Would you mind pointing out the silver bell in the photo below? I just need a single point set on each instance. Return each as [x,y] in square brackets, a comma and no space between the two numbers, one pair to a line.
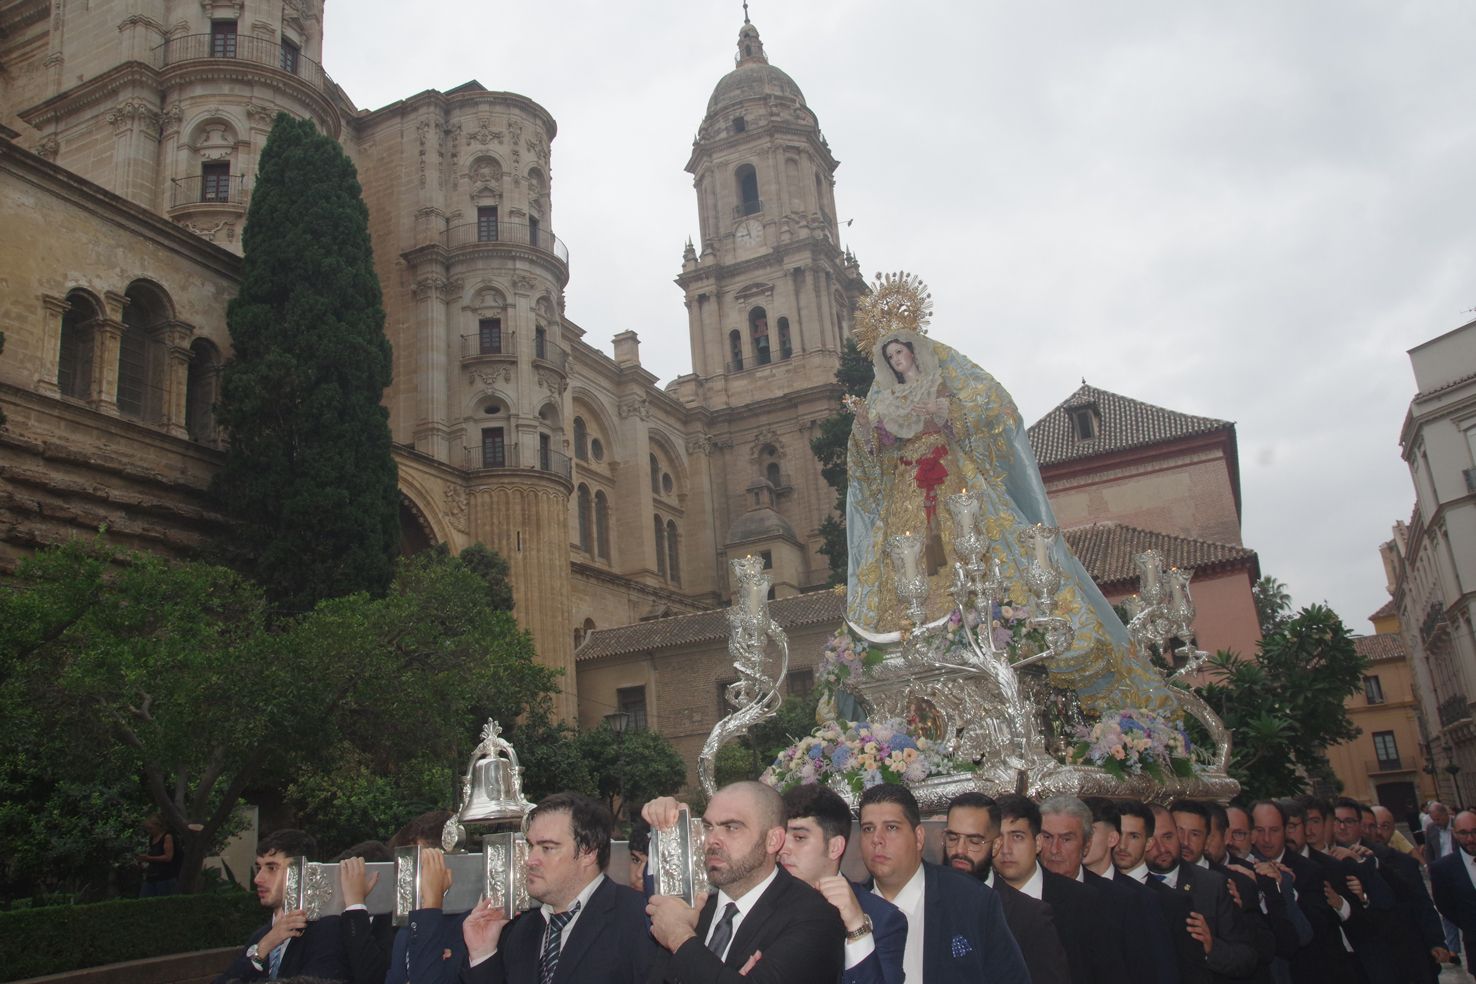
[493,787]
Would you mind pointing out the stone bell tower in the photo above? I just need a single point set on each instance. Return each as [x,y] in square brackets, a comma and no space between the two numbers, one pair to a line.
[770,295]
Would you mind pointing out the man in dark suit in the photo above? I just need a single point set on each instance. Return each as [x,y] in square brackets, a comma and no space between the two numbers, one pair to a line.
[1414,925]
[1453,878]
[817,827]
[761,922]
[956,930]
[1150,956]
[588,929]
[1279,838]
[1214,922]
[1090,933]
[968,846]
[288,945]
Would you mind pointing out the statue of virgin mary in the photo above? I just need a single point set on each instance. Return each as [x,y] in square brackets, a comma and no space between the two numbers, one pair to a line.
[933,424]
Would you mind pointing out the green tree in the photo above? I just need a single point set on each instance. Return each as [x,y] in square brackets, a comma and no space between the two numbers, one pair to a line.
[1286,707]
[854,375]
[308,478]
[493,568]
[631,768]
[172,672]
[1273,604]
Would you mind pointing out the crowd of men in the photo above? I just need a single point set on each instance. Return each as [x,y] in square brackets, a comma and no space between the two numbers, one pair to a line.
[1090,891]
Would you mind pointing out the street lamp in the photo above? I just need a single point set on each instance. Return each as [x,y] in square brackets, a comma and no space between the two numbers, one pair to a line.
[619,723]
[1454,770]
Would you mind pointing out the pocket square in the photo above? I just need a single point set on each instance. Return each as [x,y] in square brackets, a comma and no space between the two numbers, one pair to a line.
[961,947]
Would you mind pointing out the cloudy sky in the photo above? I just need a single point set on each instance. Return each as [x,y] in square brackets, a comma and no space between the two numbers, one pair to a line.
[1248,211]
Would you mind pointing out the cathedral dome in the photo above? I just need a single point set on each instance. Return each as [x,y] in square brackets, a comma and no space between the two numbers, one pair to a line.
[754,77]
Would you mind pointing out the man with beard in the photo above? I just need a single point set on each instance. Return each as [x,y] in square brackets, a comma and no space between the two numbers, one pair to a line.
[956,929]
[1135,830]
[817,828]
[1439,844]
[968,846]
[1086,934]
[288,945]
[761,921]
[1237,831]
[587,929]
[1213,922]
[1418,938]
[1453,878]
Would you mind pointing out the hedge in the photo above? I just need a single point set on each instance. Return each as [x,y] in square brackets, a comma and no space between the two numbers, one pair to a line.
[55,939]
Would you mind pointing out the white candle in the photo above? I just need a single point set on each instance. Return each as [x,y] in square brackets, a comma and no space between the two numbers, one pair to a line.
[1043,550]
[755,596]
[906,550]
[965,510]
[1176,589]
[1150,576]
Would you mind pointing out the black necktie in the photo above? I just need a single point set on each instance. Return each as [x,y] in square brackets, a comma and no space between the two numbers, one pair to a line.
[550,962]
[723,935]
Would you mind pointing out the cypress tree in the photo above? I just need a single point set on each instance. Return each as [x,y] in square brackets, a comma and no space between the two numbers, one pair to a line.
[309,481]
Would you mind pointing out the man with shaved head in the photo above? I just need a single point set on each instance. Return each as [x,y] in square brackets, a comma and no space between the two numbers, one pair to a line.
[1413,925]
[760,914]
[1453,877]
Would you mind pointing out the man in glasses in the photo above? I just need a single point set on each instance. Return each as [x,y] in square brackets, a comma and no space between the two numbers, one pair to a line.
[968,846]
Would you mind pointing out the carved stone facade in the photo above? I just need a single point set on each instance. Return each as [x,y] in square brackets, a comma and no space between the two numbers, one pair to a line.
[132,139]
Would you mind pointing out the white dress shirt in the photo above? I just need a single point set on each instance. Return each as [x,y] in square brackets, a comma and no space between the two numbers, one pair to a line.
[1140,873]
[1170,878]
[910,900]
[582,900]
[1036,885]
[745,904]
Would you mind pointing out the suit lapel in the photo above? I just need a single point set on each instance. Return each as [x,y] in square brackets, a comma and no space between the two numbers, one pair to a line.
[589,924]
[753,920]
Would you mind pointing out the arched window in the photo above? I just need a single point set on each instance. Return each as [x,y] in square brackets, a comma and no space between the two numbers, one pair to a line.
[581,439]
[735,349]
[672,563]
[660,547]
[140,355]
[786,347]
[74,367]
[758,330]
[748,190]
[602,526]
[771,472]
[655,476]
[585,540]
[200,391]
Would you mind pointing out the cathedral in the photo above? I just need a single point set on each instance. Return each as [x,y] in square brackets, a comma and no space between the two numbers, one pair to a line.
[129,135]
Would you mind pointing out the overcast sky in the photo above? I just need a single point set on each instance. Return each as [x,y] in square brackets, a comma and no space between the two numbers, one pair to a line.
[1244,210]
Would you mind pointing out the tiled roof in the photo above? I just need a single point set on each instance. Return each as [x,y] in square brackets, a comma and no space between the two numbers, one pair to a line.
[682,630]
[1107,550]
[1122,423]
[1387,610]
[1385,645]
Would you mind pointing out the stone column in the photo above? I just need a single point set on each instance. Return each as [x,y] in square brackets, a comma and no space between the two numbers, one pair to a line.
[136,124]
[55,308]
[431,294]
[107,338]
[175,337]
[526,519]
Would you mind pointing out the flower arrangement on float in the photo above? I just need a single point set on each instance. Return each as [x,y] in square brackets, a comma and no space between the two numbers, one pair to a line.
[860,754]
[842,662]
[1135,742]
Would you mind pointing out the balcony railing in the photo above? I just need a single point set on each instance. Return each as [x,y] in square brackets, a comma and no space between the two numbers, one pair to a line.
[210,189]
[518,233]
[1453,709]
[751,207]
[551,352]
[243,48]
[508,456]
[1370,766]
[472,348]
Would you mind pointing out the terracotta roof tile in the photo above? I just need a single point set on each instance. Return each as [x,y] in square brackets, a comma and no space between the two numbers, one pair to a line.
[682,630]
[1123,423]
[1107,550]
[1385,645]
[1386,610]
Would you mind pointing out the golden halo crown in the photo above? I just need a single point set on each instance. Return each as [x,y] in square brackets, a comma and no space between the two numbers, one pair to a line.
[897,302]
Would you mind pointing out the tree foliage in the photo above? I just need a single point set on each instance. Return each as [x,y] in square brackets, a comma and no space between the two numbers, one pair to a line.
[631,768]
[494,569]
[308,478]
[171,673]
[1286,707]
[1273,604]
[854,375]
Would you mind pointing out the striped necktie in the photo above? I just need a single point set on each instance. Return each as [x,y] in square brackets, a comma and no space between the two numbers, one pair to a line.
[552,944]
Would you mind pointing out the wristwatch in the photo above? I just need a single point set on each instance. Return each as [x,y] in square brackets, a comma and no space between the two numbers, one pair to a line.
[864,928]
[254,955]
